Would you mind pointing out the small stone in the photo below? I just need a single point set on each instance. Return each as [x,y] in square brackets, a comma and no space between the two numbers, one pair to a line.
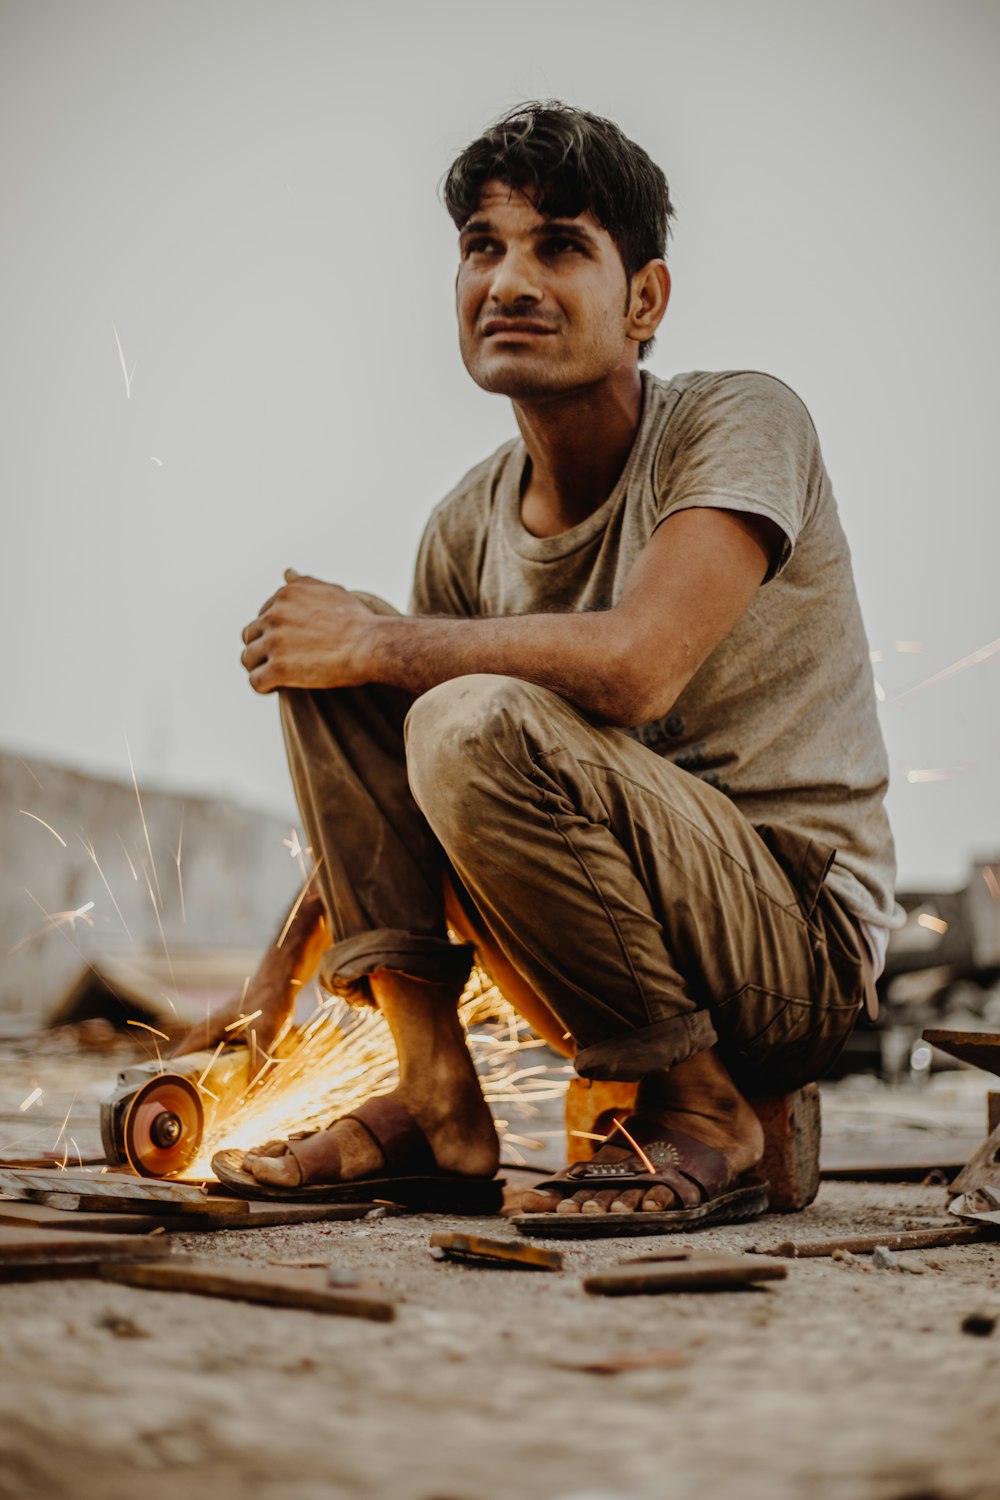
[884,1260]
[980,1325]
[340,1276]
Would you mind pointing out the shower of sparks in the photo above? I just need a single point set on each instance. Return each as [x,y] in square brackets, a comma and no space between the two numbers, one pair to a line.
[58,920]
[37,819]
[297,850]
[933,924]
[992,884]
[242,1021]
[31,773]
[159,923]
[342,1056]
[55,1144]
[142,817]
[879,690]
[587,1135]
[32,1098]
[298,902]
[79,1153]
[177,861]
[143,1027]
[941,773]
[636,1147]
[128,857]
[158,461]
[972,660]
[913,648]
[208,1066]
[92,854]
[125,370]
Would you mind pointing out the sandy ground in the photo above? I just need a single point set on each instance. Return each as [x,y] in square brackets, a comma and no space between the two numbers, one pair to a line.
[841,1383]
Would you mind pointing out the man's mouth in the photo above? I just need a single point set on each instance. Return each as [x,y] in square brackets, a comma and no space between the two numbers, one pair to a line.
[514,327]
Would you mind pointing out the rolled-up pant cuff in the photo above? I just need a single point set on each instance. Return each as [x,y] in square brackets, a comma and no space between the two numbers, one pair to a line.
[346,966]
[628,1057]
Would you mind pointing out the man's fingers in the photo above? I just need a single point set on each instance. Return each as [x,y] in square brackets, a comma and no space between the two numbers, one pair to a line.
[252,631]
[254,655]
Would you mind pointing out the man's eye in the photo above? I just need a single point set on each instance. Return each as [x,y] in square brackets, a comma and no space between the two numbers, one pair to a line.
[480,247]
[559,246]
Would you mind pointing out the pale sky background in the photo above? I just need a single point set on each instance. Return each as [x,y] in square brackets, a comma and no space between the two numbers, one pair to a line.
[247,192]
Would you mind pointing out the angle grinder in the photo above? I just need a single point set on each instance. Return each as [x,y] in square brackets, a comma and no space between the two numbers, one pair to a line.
[155,1119]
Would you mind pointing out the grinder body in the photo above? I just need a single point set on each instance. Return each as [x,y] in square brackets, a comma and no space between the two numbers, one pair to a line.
[154,1120]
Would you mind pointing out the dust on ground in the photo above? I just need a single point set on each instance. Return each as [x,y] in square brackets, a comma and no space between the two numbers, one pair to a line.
[843,1382]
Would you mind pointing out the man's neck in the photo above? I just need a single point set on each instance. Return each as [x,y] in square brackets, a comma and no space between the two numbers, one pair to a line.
[577,446]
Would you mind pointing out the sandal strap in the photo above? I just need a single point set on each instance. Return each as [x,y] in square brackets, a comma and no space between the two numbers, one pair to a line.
[397,1135]
[405,1149]
[692,1170]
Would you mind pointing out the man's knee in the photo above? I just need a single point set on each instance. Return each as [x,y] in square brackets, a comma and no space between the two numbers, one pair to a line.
[464,739]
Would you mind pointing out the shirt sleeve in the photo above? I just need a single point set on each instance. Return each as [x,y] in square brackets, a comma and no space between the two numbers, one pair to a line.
[742,442]
[438,585]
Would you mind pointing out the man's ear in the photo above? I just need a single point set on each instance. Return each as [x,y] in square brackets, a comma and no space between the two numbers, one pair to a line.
[648,297]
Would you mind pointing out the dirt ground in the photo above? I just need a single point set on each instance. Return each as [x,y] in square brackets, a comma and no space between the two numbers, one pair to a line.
[841,1383]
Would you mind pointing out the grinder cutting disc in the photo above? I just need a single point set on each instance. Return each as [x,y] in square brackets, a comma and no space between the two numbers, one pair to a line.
[163,1126]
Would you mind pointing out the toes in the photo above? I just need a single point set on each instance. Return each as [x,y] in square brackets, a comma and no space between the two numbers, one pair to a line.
[535,1202]
[279,1171]
[599,1203]
[626,1202]
[657,1199]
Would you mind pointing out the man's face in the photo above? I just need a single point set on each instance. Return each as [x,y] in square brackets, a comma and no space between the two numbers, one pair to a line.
[541,302]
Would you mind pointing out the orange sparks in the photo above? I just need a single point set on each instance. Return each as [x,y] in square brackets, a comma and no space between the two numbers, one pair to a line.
[24,812]
[243,1021]
[933,924]
[142,816]
[208,1065]
[637,1148]
[298,902]
[144,1027]
[972,660]
[177,861]
[125,369]
[32,1098]
[92,854]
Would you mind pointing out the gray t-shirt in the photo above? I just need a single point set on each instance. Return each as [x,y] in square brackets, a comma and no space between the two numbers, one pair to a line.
[781,716]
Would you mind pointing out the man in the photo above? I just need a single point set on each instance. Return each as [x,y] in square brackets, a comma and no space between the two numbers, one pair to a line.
[625,743]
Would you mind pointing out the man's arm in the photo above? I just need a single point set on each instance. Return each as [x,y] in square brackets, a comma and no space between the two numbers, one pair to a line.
[625,665]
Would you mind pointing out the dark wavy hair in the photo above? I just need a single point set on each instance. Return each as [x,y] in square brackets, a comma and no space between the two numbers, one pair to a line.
[569,162]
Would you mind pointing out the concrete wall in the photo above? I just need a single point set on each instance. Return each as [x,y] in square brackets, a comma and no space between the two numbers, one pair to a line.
[238,878]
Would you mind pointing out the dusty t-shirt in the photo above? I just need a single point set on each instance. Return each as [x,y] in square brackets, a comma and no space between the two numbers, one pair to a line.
[781,716]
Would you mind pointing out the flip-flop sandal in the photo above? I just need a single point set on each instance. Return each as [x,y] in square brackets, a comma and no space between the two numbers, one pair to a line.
[410,1176]
[700,1176]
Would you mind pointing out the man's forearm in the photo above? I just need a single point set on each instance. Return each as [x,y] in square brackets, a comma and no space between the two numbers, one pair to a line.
[587,658]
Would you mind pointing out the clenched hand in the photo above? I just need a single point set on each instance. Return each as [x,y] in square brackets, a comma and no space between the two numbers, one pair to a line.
[310,634]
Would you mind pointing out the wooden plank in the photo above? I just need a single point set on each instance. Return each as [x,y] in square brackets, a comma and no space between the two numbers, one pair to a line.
[69,1211]
[478,1249]
[896,1156]
[273,1286]
[981,1049]
[20,1184]
[219,1210]
[864,1244]
[28,1215]
[693,1273]
[51,1252]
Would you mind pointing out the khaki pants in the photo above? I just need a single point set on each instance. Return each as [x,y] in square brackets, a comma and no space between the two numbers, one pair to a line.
[635,902]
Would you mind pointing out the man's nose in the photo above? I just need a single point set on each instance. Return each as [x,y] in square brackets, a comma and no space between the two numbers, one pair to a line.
[514,280]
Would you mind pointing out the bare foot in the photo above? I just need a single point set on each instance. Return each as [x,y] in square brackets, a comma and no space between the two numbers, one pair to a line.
[460,1131]
[437,1085]
[697,1097]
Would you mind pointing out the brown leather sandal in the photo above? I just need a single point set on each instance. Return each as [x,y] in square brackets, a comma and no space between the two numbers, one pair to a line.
[700,1176]
[410,1176]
